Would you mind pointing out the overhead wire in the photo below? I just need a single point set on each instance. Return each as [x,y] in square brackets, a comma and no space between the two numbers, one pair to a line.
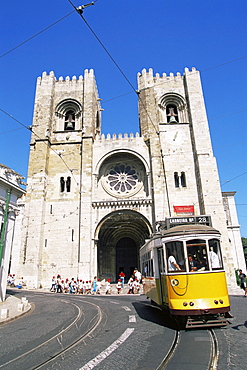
[31,129]
[120,70]
[114,61]
[137,92]
[133,88]
[36,34]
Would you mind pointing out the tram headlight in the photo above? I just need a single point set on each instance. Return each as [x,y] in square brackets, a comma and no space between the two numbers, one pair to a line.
[185,304]
[221,301]
[174,282]
[215,301]
[191,303]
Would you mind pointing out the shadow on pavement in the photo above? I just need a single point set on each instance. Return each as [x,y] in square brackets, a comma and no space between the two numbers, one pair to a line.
[154,314]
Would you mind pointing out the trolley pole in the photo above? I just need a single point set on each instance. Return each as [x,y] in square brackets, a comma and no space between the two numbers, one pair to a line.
[4,223]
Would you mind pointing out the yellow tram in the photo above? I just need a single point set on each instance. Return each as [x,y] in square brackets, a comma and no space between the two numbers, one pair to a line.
[183,272]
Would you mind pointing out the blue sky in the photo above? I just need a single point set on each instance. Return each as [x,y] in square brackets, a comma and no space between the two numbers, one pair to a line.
[161,34]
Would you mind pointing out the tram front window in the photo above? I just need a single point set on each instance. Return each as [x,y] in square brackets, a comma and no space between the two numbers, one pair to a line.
[214,254]
[175,256]
[197,255]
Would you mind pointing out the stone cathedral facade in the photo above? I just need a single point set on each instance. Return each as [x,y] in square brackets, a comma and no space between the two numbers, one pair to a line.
[92,199]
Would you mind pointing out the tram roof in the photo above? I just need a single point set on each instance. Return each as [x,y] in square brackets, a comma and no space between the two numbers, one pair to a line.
[189,229]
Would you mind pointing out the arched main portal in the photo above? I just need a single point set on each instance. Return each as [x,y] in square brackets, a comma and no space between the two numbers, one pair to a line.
[120,236]
[126,256]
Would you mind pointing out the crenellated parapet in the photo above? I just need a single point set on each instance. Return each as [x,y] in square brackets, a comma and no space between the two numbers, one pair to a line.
[147,79]
[88,74]
[118,136]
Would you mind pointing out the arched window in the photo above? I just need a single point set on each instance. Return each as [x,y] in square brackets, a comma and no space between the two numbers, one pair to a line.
[62,184]
[65,184]
[69,112]
[68,183]
[173,108]
[180,180]
[183,180]
[176,180]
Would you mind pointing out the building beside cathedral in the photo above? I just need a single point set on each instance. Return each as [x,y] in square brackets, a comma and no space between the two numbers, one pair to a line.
[10,192]
[92,200]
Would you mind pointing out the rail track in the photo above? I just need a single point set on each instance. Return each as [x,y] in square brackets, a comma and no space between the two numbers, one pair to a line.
[214,353]
[75,324]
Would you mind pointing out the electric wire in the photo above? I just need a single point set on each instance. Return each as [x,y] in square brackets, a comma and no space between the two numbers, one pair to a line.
[103,46]
[31,129]
[6,132]
[121,71]
[133,88]
[36,34]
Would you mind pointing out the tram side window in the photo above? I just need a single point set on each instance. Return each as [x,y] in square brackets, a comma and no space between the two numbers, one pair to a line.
[147,268]
[147,265]
[175,256]
[197,255]
[161,260]
[215,254]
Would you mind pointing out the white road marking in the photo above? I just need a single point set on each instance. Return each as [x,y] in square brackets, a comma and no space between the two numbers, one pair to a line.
[114,302]
[126,308]
[95,361]
[132,318]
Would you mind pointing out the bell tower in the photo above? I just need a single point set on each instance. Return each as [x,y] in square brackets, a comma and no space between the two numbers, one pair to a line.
[67,118]
[173,123]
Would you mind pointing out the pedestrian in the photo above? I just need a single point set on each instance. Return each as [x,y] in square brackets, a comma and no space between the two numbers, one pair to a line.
[12,281]
[130,285]
[80,287]
[94,285]
[136,286]
[243,285]
[98,286]
[66,286]
[108,287]
[119,286]
[72,286]
[9,279]
[137,275]
[121,277]
[88,286]
[53,284]
[58,284]
[62,286]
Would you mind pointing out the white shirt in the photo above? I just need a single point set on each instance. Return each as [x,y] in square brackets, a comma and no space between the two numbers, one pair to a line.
[214,258]
[171,261]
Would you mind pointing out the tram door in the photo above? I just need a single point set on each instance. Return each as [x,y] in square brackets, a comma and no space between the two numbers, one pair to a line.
[161,263]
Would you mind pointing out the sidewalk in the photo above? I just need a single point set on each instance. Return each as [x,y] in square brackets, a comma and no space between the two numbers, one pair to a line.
[235,290]
[12,308]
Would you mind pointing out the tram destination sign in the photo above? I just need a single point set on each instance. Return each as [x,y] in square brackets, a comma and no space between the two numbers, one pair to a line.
[184,220]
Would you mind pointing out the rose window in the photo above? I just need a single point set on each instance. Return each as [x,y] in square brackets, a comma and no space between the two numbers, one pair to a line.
[122,179]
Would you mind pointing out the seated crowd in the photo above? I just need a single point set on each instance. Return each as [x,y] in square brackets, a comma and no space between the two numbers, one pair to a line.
[79,286]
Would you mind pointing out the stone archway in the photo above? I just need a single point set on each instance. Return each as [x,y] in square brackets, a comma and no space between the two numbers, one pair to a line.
[120,236]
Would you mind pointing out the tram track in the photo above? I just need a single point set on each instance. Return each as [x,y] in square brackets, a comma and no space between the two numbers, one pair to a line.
[171,351]
[94,324]
[214,352]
